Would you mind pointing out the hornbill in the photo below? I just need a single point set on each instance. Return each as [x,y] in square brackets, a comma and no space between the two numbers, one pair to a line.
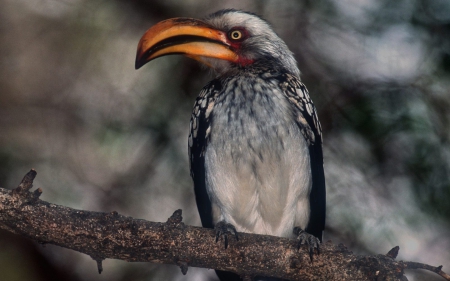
[255,142]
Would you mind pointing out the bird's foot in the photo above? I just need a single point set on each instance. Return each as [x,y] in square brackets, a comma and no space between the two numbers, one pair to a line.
[305,238]
[223,228]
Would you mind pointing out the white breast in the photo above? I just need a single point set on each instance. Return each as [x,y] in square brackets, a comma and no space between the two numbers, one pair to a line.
[257,165]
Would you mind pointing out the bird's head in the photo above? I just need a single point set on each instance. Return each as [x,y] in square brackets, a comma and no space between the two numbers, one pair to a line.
[227,41]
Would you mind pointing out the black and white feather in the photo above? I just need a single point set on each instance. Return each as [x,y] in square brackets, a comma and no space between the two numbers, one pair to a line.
[255,150]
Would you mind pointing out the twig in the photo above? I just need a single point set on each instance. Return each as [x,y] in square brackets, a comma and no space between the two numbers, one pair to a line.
[435,269]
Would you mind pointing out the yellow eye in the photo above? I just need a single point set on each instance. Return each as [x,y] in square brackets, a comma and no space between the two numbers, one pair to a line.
[235,35]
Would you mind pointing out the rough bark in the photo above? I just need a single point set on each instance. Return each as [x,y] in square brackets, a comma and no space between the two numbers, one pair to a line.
[113,236]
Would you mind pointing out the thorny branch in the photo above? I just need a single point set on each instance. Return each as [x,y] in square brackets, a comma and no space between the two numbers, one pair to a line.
[113,236]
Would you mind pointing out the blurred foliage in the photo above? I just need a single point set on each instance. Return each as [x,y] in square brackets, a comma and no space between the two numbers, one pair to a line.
[105,137]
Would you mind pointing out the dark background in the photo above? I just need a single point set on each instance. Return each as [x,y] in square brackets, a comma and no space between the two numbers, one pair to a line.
[103,136]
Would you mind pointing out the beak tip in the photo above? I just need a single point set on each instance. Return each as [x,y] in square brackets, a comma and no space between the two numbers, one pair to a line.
[139,62]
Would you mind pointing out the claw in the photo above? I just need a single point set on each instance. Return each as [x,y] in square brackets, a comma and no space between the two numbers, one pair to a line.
[305,238]
[223,229]
[217,235]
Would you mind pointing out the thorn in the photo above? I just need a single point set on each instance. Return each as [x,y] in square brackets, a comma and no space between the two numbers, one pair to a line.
[99,266]
[175,219]
[99,263]
[37,193]
[26,183]
[393,252]
[183,266]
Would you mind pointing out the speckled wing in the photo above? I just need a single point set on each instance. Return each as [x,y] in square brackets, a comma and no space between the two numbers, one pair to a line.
[306,117]
[198,140]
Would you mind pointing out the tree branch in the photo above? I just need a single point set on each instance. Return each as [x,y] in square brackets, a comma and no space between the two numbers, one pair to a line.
[113,236]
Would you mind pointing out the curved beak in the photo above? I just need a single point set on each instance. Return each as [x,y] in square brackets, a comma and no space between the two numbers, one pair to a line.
[191,37]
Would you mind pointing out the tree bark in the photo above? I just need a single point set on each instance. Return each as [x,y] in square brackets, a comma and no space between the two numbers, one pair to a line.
[113,236]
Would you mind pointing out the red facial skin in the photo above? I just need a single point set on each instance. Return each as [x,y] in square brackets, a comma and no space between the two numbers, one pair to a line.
[236,44]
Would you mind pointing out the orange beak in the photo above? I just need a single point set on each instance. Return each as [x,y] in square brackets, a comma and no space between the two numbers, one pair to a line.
[191,37]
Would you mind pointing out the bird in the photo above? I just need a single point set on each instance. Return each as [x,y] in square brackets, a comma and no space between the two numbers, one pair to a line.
[255,140]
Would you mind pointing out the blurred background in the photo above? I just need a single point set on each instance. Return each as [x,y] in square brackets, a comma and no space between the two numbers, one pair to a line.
[103,136]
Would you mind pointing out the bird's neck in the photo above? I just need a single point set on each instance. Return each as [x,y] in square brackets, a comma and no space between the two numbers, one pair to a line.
[256,67]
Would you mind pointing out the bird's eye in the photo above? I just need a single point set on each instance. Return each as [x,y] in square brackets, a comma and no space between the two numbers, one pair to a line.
[235,35]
